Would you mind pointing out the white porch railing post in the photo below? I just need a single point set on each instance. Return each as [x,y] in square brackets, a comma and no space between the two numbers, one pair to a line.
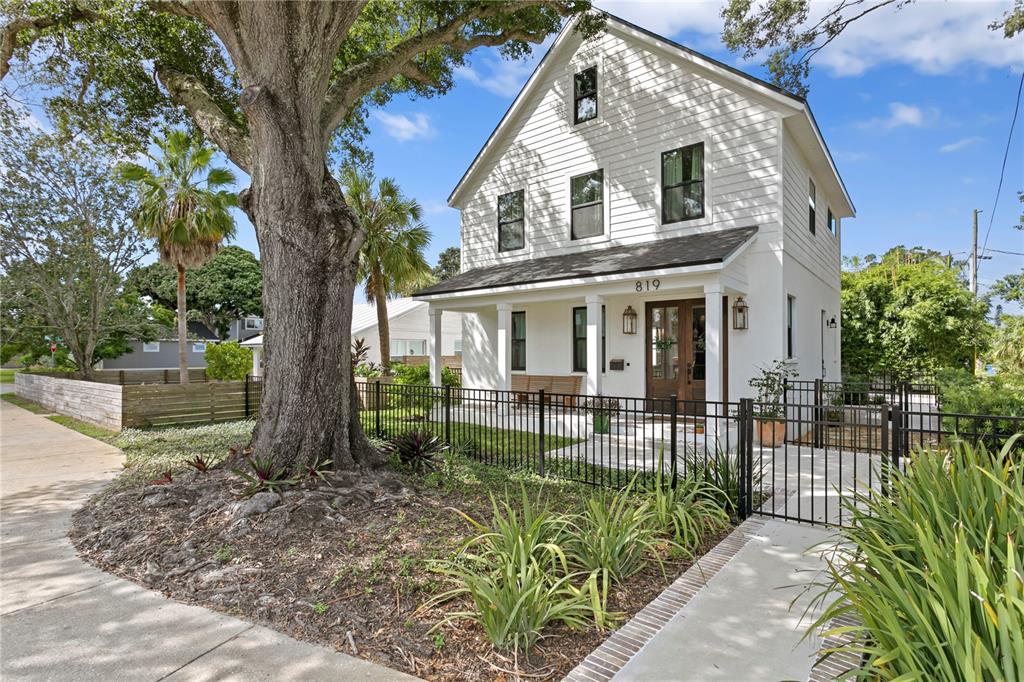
[594,333]
[504,347]
[434,346]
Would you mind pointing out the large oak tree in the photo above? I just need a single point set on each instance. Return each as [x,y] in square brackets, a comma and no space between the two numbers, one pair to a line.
[276,86]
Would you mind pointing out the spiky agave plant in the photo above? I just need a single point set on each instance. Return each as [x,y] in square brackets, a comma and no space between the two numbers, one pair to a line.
[416,450]
[264,475]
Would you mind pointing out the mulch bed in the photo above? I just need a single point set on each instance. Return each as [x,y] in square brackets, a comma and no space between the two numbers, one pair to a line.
[340,562]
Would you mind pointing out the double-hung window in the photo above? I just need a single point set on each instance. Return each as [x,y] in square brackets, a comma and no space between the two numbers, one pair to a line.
[831,221]
[519,341]
[585,95]
[510,221]
[579,339]
[682,184]
[587,204]
[810,203]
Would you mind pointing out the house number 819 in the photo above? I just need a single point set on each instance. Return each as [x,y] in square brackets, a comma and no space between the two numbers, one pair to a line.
[648,284]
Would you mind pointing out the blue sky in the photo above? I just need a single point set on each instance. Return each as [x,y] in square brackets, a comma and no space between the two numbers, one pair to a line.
[915,106]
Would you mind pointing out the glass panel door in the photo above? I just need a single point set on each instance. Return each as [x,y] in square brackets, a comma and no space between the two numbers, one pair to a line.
[664,348]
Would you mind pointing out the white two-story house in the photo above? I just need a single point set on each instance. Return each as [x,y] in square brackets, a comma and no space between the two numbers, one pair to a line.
[650,219]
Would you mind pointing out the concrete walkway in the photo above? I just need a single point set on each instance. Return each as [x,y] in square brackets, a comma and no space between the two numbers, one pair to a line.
[740,626]
[62,619]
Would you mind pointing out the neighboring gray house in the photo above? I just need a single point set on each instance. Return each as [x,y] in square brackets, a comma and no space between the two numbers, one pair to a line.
[163,354]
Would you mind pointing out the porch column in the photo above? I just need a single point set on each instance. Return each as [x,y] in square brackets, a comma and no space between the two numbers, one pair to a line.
[713,355]
[594,332]
[257,361]
[504,347]
[434,345]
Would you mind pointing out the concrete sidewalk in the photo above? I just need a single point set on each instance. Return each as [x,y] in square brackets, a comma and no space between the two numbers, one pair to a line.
[62,619]
[741,626]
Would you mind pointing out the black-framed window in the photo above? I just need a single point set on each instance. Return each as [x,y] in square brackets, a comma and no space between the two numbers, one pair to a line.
[790,312]
[519,341]
[682,183]
[831,221]
[579,338]
[585,95]
[587,204]
[511,212]
[810,204]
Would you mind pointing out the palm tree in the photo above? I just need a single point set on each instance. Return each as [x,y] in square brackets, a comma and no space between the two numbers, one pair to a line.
[391,262]
[183,206]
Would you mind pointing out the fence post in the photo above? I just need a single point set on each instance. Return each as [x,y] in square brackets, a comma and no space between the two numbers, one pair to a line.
[745,458]
[899,436]
[120,377]
[448,414]
[818,413]
[673,445]
[166,379]
[376,411]
[540,433]
[246,395]
[886,419]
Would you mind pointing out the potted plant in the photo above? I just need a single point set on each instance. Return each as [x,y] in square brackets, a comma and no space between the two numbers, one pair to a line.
[769,410]
[602,409]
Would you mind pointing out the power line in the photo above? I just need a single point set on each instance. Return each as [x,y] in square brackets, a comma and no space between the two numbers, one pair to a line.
[1008,253]
[1002,172]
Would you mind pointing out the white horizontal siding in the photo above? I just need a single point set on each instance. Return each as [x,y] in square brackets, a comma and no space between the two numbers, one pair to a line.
[648,104]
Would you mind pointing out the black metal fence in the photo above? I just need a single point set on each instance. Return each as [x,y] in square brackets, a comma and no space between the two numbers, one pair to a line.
[797,465]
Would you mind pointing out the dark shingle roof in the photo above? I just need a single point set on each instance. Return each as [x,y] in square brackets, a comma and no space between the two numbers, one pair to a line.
[694,249]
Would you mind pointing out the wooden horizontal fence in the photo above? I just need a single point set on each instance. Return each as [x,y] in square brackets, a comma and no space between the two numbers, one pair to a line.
[163,405]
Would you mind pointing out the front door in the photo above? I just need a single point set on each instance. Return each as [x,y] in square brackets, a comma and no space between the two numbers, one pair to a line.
[675,349]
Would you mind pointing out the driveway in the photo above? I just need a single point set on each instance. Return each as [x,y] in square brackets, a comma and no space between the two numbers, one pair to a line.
[62,619]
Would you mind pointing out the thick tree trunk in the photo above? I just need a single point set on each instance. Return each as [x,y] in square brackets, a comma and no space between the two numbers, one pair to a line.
[380,302]
[182,329]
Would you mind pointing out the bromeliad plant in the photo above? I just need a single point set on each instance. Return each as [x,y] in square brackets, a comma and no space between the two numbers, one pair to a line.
[416,450]
[934,572]
[264,475]
[199,463]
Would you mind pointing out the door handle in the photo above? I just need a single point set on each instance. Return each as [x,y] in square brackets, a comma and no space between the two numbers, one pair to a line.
[689,372]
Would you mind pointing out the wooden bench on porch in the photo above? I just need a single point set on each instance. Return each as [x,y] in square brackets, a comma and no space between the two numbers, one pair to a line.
[566,386]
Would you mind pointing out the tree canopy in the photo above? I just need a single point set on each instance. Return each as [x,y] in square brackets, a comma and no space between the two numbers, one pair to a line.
[449,264]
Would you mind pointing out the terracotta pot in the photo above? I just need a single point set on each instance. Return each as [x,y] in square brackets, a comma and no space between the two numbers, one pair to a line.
[771,434]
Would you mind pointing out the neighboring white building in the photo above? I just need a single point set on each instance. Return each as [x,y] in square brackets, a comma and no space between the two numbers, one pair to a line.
[633,175]
[409,326]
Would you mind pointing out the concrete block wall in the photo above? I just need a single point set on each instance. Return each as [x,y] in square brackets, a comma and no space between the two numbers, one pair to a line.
[89,401]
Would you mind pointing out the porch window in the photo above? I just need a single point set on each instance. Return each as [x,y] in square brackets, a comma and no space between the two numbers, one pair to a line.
[682,184]
[585,95]
[510,221]
[790,305]
[587,205]
[519,341]
[810,203]
[579,339]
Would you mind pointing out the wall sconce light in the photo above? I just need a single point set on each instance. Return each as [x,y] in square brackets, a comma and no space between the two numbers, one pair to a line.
[739,313]
[832,323]
[629,320]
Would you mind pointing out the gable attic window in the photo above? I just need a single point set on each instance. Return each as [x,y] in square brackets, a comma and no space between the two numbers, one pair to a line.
[510,221]
[682,184]
[585,95]
[587,205]
[810,203]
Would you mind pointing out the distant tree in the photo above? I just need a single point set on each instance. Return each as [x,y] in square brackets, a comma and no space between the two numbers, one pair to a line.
[391,261]
[909,312]
[183,206]
[228,287]
[1007,352]
[228,361]
[787,33]
[66,241]
[449,264]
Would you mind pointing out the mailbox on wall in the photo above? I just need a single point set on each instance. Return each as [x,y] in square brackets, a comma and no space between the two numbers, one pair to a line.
[617,365]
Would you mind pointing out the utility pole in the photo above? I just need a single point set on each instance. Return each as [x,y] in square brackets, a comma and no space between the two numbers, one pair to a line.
[974,254]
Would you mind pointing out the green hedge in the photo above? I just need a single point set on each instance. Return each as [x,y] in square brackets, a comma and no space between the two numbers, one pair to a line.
[227,361]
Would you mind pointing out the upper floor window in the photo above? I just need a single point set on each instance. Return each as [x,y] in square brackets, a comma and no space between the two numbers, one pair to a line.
[510,221]
[519,341]
[831,221]
[585,95]
[682,184]
[810,203]
[587,204]
[254,323]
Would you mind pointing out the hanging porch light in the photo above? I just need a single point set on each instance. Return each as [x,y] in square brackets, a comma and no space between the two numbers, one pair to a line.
[629,320]
[739,313]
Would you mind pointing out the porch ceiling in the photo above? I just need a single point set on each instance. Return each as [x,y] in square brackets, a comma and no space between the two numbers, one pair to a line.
[694,249]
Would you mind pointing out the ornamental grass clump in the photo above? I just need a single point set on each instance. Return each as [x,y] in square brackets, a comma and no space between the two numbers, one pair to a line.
[934,573]
[685,513]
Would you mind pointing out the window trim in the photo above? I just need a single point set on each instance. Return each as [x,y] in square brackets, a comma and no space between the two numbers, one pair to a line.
[497,207]
[253,328]
[514,341]
[790,327]
[576,97]
[702,181]
[604,207]
[812,204]
[153,346]
[195,345]
[604,338]
[831,221]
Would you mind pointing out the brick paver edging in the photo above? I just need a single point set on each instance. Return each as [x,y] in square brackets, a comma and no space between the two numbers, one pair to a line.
[608,659]
[839,663]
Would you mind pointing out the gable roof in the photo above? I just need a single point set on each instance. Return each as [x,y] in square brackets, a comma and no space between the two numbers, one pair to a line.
[693,249]
[805,121]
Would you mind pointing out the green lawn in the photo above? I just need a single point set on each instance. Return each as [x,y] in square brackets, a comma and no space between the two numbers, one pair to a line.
[85,428]
[16,399]
[7,376]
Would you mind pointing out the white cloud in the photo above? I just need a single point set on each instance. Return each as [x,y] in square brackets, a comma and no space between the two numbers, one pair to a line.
[901,114]
[404,128]
[502,77]
[435,207]
[959,144]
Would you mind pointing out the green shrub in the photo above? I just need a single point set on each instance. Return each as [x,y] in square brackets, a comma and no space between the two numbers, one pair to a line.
[686,513]
[934,574]
[963,393]
[419,375]
[227,361]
